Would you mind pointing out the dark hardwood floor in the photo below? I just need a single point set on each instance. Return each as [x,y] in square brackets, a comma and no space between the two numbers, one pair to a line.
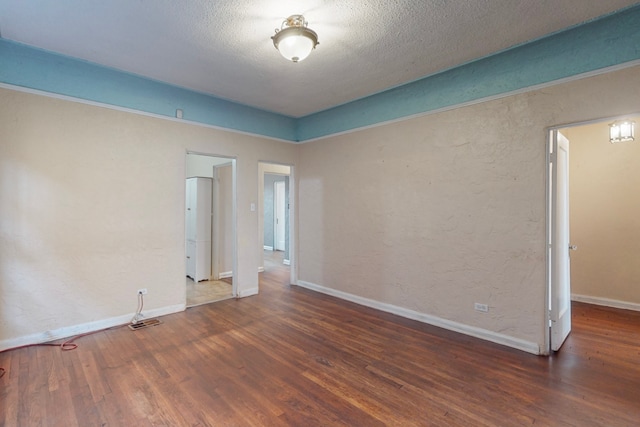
[292,357]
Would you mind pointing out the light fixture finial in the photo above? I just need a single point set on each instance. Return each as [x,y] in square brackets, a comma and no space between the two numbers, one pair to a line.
[294,40]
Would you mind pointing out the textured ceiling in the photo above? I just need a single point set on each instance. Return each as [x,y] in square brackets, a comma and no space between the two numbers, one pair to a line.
[224,48]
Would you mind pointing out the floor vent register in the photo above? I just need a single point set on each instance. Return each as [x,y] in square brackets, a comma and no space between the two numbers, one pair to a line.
[144,324]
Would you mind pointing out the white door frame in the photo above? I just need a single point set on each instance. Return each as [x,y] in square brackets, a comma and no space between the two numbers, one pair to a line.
[293,218]
[293,227]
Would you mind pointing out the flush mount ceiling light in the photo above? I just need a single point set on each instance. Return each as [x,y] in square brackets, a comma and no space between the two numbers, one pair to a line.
[294,40]
[621,131]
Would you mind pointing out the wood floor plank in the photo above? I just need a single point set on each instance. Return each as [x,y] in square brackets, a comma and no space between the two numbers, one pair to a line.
[292,357]
[9,389]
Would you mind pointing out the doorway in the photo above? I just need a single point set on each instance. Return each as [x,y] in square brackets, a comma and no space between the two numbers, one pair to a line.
[210,229]
[276,209]
[599,262]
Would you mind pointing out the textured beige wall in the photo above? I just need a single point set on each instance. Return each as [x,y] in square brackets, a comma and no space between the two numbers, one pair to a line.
[92,208]
[435,213]
[605,214]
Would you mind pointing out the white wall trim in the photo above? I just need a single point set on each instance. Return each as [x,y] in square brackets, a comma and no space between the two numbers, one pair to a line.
[248,292]
[225,274]
[607,302]
[98,325]
[268,248]
[286,262]
[498,338]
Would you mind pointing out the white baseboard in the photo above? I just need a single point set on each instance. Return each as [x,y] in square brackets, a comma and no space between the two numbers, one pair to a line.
[71,331]
[260,269]
[248,292]
[268,248]
[286,262]
[528,346]
[607,302]
[225,274]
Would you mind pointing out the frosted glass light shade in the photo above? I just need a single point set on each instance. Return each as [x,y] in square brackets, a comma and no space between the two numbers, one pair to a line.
[295,47]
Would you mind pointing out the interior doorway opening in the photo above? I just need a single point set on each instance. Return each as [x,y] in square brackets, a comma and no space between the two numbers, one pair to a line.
[276,213]
[597,261]
[210,228]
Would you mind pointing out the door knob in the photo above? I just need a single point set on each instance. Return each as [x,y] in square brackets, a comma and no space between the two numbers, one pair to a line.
[573,247]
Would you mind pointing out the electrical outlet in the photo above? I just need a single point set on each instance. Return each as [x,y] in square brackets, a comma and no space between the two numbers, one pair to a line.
[481,307]
[142,291]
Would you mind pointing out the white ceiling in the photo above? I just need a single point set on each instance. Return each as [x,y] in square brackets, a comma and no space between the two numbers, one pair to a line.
[224,48]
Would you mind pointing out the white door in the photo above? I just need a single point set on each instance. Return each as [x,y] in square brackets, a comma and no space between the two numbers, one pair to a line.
[560,292]
[279,217]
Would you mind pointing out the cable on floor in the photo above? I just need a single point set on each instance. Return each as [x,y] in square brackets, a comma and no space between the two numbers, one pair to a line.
[136,317]
[70,344]
[67,345]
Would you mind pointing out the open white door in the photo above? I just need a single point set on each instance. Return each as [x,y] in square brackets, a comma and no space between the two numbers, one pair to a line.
[560,292]
[279,217]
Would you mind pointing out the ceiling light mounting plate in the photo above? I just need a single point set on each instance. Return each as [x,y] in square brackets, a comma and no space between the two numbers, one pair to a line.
[294,21]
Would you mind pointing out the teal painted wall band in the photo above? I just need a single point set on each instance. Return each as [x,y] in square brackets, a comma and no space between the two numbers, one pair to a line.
[28,67]
[609,41]
[602,43]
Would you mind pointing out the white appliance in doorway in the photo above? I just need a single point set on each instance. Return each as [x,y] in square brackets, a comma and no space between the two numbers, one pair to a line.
[198,228]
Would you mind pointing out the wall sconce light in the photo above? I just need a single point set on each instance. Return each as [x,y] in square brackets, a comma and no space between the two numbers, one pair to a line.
[294,40]
[621,131]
